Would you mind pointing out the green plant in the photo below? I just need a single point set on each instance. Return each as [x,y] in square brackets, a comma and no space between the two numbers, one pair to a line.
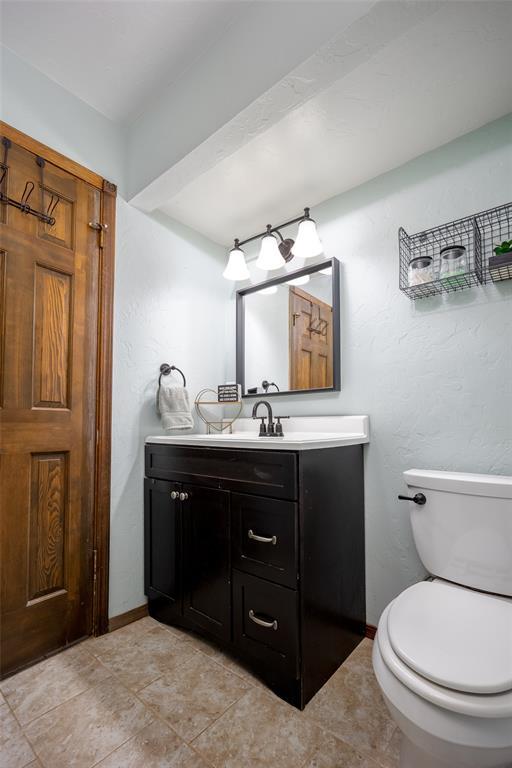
[505,247]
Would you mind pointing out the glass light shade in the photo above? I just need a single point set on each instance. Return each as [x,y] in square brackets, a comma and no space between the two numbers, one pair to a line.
[326,271]
[270,257]
[299,280]
[308,244]
[268,291]
[236,268]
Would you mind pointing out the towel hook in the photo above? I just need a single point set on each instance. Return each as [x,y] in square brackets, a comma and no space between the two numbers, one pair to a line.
[165,370]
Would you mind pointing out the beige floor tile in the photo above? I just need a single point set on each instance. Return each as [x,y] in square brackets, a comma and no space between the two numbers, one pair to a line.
[390,758]
[156,746]
[333,753]
[194,695]
[46,685]
[351,707]
[258,731]
[86,729]
[15,751]
[125,635]
[146,657]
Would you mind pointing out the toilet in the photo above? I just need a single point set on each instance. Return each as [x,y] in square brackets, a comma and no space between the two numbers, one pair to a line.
[443,650]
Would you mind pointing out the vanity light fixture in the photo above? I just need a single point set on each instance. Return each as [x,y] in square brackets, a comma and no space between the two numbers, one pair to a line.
[236,268]
[268,291]
[274,254]
[298,280]
[307,244]
[270,256]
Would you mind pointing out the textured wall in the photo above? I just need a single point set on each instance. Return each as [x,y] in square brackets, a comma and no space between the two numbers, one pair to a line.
[169,303]
[169,307]
[435,376]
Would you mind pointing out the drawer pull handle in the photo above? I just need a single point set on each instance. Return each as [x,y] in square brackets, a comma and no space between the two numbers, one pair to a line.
[174,495]
[263,539]
[262,622]
[183,496]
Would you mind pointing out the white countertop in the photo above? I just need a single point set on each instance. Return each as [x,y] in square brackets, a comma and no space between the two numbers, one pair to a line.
[301,433]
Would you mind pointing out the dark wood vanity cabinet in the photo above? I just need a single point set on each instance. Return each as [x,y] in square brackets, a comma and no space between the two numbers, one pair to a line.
[261,550]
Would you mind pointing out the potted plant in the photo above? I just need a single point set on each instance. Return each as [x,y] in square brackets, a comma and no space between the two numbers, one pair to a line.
[500,265]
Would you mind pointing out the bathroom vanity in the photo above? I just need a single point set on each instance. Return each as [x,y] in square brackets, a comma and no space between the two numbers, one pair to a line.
[258,543]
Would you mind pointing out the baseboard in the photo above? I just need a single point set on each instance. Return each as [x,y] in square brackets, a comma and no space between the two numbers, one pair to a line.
[370,631]
[116,622]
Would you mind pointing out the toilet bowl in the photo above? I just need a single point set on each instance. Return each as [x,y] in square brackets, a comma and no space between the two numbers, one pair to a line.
[443,650]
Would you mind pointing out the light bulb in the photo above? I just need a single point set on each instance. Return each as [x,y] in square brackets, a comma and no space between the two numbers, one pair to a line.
[236,268]
[299,280]
[269,257]
[268,291]
[308,244]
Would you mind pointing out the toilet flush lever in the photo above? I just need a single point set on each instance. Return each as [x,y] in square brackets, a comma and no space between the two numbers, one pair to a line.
[418,498]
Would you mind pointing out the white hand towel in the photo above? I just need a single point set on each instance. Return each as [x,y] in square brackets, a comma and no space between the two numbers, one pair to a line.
[174,407]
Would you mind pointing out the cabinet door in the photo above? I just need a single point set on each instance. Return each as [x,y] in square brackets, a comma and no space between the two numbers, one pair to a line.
[206,559]
[162,541]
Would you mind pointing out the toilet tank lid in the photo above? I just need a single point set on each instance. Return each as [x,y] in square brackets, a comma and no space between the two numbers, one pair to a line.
[497,486]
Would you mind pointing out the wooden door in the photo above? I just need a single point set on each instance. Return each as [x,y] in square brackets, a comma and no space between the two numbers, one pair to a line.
[310,341]
[49,310]
[206,559]
[163,542]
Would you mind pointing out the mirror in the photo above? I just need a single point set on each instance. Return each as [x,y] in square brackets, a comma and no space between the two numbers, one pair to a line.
[288,333]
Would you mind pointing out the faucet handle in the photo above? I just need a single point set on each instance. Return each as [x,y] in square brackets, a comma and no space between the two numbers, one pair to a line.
[263,429]
[279,426]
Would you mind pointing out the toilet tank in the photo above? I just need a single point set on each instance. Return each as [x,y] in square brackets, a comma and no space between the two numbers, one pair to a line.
[463,533]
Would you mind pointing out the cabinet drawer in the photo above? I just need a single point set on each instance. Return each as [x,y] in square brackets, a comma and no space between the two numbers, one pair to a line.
[266,473]
[265,538]
[265,621]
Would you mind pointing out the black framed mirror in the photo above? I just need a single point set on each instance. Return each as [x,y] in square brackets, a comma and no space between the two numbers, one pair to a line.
[288,333]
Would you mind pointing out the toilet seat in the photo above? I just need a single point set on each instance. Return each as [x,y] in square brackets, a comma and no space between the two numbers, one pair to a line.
[498,705]
[432,629]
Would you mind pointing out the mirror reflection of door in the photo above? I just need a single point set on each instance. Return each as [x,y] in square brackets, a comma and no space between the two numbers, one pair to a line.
[310,350]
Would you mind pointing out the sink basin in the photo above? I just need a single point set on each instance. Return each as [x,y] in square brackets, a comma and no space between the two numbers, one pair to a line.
[301,433]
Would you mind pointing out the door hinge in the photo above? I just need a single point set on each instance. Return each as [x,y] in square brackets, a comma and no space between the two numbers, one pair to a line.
[94,564]
[101,228]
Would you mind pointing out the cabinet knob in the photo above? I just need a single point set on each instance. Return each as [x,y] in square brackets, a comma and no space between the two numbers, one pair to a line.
[183,496]
[174,494]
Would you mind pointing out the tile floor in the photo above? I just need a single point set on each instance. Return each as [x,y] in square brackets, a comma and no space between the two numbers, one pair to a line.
[150,696]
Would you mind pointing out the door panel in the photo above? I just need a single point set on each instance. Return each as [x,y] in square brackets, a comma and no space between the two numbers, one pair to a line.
[162,541]
[49,292]
[206,558]
[52,331]
[311,364]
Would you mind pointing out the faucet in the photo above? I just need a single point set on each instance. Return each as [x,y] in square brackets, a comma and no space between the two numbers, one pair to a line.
[264,432]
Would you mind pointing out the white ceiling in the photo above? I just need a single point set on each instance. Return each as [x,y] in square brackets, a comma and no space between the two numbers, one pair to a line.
[236,113]
[115,56]
[447,76]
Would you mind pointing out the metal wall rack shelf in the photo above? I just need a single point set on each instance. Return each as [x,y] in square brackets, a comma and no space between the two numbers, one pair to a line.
[479,234]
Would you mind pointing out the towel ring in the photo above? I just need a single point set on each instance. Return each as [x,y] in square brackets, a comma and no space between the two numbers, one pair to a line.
[165,370]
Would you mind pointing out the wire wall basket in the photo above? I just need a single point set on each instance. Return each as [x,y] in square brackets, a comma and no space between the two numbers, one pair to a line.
[495,227]
[475,236]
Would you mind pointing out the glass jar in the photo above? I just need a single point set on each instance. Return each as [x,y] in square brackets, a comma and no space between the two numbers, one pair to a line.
[421,270]
[454,262]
